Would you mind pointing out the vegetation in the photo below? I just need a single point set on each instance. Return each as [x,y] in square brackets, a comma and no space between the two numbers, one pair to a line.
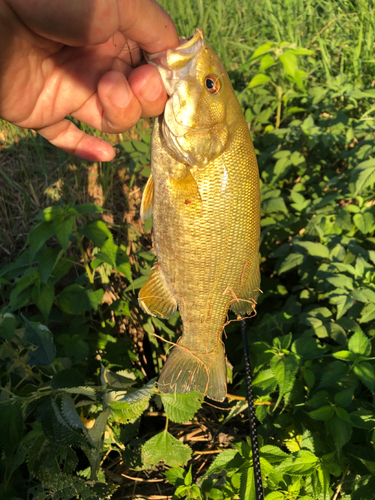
[80,413]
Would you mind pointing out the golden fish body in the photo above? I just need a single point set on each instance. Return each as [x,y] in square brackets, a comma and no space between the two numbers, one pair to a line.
[205,200]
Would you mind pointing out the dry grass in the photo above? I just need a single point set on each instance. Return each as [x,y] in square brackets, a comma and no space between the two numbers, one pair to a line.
[34,175]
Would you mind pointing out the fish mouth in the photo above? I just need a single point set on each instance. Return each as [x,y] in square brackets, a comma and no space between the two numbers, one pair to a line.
[177,65]
[179,58]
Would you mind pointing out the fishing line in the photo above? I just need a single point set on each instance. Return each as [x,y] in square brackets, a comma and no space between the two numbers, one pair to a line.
[253,431]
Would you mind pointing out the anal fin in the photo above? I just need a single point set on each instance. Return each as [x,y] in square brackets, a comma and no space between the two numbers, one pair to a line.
[155,298]
[147,199]
[250,291]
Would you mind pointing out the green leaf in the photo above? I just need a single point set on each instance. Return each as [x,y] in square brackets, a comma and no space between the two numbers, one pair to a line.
[343,414]
[343,220]
[360,344]
[123,266]
[368,313]
[271,205]
[108,253]
[343,303]
[63,230]
[68,377]
[84,391]
[69,412]
[314,249]
[43,298]
[89,208]
[344,398]
[266,62]
[341,281]
[227,460]
[366,374]
[363,175]
[74,299]
[363,295]
[182,407]
[11,423]
[308,348]
[39,336]
[175,476]
[303,463]
[364,222]
[130,407]
[97,232]
[120,381]
[141,146]
[334,372]
[292,260]
[323,413]
[341,430]
[289,62]
[20,295]
[165,448]
[95,297]
[364,419]
[344,355]
[284,369]
[262,49]
[8,323]
[258,79]
[136,284]
[96,432]
[273,454]
[38,236]
[47,262]
[247,488]
[275,495]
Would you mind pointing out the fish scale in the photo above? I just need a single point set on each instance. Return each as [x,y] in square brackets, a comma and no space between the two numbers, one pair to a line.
[206,213]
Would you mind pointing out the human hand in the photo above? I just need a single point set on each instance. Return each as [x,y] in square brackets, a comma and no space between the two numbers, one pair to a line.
[76,58]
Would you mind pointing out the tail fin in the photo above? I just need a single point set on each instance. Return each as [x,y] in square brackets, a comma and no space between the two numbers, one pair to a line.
[186,371]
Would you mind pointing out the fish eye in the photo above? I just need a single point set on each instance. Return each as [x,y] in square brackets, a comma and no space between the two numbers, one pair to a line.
[212,83]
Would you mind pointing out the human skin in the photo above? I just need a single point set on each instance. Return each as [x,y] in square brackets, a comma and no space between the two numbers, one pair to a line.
[64,57]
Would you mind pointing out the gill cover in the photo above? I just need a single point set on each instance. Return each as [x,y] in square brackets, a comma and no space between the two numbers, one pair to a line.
[195,128]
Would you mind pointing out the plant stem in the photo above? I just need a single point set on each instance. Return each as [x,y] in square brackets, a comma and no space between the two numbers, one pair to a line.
[341,483]
[83,254]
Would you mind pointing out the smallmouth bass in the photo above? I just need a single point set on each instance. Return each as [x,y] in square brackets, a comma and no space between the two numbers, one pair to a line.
[204,195]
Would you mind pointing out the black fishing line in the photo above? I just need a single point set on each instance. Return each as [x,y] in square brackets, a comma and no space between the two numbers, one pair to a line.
[253,430]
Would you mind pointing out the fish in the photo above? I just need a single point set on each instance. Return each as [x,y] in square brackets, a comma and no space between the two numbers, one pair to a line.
[203,193]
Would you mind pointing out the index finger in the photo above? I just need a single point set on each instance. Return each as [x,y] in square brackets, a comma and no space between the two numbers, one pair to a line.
[148,24]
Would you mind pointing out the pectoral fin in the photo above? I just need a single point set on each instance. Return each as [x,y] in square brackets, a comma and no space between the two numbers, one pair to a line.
[249,292]
[155,297]
[185,189]
[147,199]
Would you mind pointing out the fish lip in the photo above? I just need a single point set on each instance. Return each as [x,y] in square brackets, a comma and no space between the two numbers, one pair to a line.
[175,59]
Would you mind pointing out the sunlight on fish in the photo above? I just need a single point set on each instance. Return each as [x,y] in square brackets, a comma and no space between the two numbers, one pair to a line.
[204,195]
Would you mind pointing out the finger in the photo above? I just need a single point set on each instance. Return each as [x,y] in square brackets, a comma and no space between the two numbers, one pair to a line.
[66,136]
[148,24]
[86,22]
[89,22]
[121,109]
[147,86]
[119,103]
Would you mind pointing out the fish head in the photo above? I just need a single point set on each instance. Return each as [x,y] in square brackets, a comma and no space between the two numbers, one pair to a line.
[195,123]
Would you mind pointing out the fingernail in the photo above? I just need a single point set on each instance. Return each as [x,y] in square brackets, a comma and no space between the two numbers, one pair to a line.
[151,90]
[120,94]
